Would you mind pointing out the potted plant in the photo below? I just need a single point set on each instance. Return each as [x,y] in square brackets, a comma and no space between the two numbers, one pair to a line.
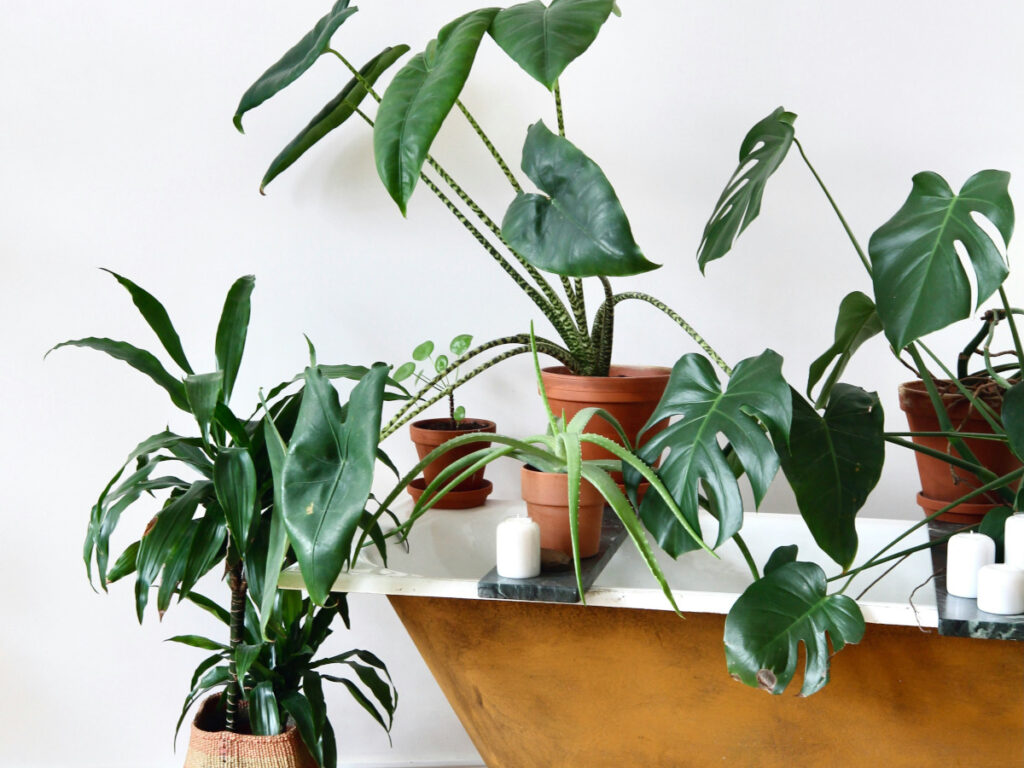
[574,229]
[427,434]
[230,515]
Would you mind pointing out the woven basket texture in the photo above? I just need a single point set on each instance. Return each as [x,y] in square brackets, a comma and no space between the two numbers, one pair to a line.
[222,749]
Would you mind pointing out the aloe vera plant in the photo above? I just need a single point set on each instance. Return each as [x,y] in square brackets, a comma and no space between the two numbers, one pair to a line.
[223,509]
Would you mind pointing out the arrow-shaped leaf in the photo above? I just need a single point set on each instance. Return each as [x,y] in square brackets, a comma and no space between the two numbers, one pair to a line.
[920,284]
[578,228]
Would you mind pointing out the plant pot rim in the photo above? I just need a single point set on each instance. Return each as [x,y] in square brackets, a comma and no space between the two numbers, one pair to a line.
[432,425]
[914,394]
[468,498]
[290,732]
[656,372]
[625,384]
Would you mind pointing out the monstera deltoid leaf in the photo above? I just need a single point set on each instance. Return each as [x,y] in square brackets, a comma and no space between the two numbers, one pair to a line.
[755,397]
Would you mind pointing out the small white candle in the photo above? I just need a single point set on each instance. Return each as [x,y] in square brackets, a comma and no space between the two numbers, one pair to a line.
[1013,541]
[518,540]
[965,556]
[1001,589]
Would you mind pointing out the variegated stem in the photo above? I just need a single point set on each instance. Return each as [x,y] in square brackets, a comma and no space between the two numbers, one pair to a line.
[690,331]
[357,74]
[604,360]
[417,404]
[237,584]
[490,148]
[558,110]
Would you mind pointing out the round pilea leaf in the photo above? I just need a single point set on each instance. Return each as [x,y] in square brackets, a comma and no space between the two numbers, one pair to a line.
[460,344]
[404,371]
[441,363]
[422,352]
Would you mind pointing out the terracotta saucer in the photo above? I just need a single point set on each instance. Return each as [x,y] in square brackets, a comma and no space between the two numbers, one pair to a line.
[474,496]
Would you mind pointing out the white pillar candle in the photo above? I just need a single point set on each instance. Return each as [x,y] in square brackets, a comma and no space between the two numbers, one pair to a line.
[518,540]
[1013,541]
[965,556]
[1001,589]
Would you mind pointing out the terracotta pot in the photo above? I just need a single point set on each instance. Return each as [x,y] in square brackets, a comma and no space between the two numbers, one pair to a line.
[428,434]
[942,483]
[547,501]
[209,747]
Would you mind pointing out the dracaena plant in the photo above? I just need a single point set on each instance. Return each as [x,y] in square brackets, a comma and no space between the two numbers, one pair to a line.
[833,459]
[224,512]
[573,228]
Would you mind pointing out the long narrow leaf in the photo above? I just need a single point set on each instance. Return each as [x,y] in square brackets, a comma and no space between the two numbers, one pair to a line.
[234,479]
[232,329]
[156,316]
[263,712]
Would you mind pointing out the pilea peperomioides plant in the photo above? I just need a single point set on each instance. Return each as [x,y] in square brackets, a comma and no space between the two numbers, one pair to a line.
[229,515]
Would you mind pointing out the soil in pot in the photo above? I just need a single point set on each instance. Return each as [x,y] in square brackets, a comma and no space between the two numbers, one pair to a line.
[428,434]
[210,746]
[629,393]
[547,502]
[942,483]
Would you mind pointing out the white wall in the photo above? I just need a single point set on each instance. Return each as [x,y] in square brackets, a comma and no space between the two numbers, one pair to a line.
[117,150]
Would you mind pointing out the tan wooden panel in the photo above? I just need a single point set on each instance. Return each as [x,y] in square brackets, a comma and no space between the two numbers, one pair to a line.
[551,686]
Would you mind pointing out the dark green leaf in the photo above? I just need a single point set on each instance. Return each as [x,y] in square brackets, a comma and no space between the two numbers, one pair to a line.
[787,607]
[544,40]
[1013,418]
[920,285]
[234,478]
[380,688]
[762,151]
[756,391]
[337,111]
[328,471]
[780,557]
[232,329]
[156,316]
[277,544]
[125,564]
[174,567]
[330,746]
[190,452]
[857,322]
[994,526]
[209,606]
[245,655]
[297,60]
[207,547]
[140,360]
[312,686]
[298,707]
[832,464]
[203,391]
[419,99]
[212,678]
[208,662]
[223,416]
[360,698]
[263,713]
[197,641]
[578,228]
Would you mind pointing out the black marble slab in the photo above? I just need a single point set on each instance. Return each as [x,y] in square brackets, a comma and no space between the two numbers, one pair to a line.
[560,586]
[960,616]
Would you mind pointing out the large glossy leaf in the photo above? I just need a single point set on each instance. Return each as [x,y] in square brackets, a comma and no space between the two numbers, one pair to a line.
[327,475]
[756,394]
[832,463]
[156,316]
[232,329]
[1013,418]
[578,228]
[919,282]
[263,712]
[762,151]
[298,707]
[768,622]
[234,479]
[297,60]
[337,111]
[543,40]
[419,99]
[203,391]
[139,359]
[207,548]
[857,322]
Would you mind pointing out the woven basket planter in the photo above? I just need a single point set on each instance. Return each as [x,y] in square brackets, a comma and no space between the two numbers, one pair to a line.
[222,749]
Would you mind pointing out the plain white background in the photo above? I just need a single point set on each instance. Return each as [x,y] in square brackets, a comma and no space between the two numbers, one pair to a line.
[117,150]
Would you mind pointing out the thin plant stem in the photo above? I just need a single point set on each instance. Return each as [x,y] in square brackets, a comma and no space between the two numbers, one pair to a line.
[745,551]
[979,405]
[832,202]
[490,147]
[965,435]
[884,573]
[357,74]
[558,110]
[690,331]
[1018,348]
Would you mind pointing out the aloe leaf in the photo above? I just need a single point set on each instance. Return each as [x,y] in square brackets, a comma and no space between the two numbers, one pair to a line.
[578,228]
[327,475]
[832,463]
[545,40]
[755,394]
[419,99]
[335,112]
[232,329]
[156,316]
[203,391]
[295,61]
[139,359]
[762,151]
[574,475]
[919,282]
[234,480]
[777,613]
[857,322]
